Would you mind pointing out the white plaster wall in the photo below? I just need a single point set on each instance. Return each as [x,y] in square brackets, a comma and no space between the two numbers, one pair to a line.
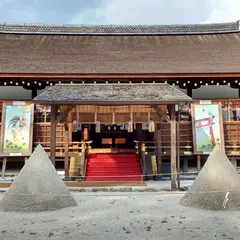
[15,93]
[206,92]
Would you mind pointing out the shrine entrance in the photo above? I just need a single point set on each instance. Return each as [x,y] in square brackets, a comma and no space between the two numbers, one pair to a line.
[110,108]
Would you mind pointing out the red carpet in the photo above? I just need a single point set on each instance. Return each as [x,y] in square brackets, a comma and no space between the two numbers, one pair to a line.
[113,167]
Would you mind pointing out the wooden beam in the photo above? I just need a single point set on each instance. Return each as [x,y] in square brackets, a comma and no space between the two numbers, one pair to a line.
[53,133]
[161,114]
[66,146]
[63,115]
[178,149]
[157,139]
[173,147]
[56,77]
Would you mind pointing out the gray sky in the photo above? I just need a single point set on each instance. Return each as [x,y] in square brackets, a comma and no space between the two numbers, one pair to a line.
[119,11]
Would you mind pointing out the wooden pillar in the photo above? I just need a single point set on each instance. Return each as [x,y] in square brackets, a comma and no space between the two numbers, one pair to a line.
[178,149]
[70,126]
[157,139]
[4,164]
[173,147]
[66,147]
[198,163]
[53,133]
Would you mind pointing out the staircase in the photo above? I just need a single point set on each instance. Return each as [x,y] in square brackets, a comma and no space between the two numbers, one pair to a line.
[113,167]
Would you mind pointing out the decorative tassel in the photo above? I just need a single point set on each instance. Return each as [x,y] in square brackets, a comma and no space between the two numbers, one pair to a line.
[98,127]
[151,126]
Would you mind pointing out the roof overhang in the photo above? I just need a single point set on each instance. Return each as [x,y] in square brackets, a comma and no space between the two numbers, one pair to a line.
[113,94]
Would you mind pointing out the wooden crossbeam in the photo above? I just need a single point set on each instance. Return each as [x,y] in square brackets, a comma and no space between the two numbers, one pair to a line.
[161,114]
[63,115]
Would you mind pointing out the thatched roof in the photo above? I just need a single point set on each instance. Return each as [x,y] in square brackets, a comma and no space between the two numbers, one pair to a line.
[112,94]
[38,49]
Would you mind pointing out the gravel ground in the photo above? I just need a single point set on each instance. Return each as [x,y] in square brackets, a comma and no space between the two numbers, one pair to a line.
[132,216]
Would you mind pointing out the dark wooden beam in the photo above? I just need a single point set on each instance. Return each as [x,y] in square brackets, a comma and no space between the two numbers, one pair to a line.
[63,115]
[173,147]
[35,76]
[157,139]
[53,133]
[161,114]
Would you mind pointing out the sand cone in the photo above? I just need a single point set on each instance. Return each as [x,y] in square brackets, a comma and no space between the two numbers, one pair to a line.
[37,187]
[217,186]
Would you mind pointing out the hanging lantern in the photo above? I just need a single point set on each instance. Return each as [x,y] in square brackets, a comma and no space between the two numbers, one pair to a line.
[98,127]
[151,126]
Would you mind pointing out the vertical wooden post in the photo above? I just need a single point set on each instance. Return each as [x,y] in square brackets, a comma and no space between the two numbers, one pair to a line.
[198,163]
[66,147]
[53,133]
[157,138]
[173,147]
[70,126]
[178,149]
[4,164]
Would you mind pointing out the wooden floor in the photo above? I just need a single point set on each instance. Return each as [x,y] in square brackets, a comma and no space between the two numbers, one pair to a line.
[91,184]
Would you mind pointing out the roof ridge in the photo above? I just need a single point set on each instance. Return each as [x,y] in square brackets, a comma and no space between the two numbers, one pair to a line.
[226,27]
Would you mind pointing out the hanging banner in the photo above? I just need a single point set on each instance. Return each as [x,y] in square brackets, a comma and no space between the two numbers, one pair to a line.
[17,129]
[130,126]
[207,127]
[74,126]
[98,127]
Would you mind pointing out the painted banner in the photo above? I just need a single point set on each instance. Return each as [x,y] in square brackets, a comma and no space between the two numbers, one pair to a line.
[17,124]
[207,127]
